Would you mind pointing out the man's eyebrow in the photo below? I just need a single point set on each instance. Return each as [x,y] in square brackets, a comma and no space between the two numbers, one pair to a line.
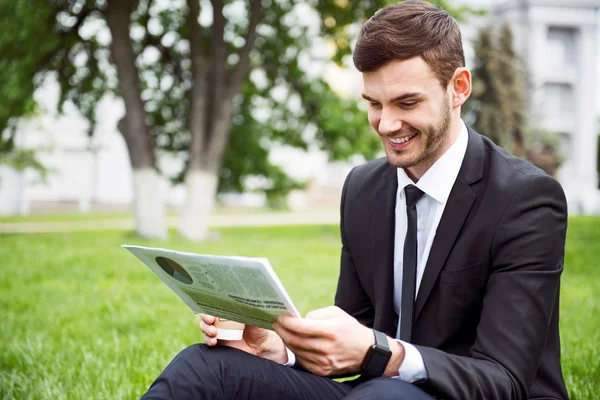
[395,99]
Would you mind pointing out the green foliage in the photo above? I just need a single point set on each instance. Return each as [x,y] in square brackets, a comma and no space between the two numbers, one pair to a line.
[23,23]
[70,42]
[78,54]
[497,107]
[491,95]
[88,320]
[22,159]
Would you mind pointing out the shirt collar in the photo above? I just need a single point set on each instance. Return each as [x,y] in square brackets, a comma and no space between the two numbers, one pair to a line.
[438,180]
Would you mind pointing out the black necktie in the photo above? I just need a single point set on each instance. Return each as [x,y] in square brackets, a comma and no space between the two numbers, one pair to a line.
[409,265]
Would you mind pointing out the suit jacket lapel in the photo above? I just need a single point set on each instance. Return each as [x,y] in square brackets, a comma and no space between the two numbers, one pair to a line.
[457,209]
[383,222]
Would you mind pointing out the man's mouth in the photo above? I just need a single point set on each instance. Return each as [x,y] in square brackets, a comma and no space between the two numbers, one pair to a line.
[403,139]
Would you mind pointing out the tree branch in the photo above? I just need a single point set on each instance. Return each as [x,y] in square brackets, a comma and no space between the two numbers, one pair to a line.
[221,128]
[219,50]
[135,133]
[197,119]
[215,85]
[242,67]
[195,33]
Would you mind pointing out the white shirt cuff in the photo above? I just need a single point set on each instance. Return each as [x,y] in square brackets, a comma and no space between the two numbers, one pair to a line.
[291,358]
[413,367]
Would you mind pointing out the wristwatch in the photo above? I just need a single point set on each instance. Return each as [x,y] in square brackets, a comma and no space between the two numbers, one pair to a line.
[377,356]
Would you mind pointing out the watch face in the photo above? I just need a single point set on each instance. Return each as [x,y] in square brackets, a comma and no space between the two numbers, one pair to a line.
[377,362]
[380,360]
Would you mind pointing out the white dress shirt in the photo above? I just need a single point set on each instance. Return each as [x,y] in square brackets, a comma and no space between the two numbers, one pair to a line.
[436,183]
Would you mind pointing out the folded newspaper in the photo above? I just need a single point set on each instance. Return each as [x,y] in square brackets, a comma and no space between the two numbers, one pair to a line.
[241,289]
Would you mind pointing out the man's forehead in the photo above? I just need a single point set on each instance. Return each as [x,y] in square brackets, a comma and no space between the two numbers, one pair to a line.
[400,77]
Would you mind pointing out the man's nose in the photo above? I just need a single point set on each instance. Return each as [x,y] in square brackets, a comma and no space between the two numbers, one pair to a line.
[389,122]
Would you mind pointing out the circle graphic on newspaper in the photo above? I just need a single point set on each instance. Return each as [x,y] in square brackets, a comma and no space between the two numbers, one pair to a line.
[174,269]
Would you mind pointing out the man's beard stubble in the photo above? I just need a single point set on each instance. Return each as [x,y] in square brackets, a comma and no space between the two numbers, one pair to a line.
[432,142]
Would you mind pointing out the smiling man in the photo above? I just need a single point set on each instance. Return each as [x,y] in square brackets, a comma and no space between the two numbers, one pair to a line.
[413,113]
[452,252]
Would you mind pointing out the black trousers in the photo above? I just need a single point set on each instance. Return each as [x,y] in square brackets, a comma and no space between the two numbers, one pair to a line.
[202,372]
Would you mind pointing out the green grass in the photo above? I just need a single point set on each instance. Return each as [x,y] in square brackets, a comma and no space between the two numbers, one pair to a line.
[82,318]
[98,216]
[580,309]
[64,217]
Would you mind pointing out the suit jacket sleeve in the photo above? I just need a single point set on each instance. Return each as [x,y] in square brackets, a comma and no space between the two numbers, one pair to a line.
[350,295]
[521,294]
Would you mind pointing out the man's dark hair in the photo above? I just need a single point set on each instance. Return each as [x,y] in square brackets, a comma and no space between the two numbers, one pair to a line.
[410,29]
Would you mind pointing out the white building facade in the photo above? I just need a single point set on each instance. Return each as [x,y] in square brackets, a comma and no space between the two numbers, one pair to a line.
[85,174]
[558,42]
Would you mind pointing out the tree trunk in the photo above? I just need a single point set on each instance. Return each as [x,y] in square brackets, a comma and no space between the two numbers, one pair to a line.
[202,178]
[210,122]
[200,201]
[148,205]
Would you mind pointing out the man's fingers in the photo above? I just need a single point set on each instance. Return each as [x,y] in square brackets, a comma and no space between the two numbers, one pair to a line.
[326,313]
[298,326]
[288,337]
[305,327]
[209,330]
[301,344]
[210,341]
[209,319]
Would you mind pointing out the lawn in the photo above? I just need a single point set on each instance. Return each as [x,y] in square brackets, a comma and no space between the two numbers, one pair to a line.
[100,216]
[82,318]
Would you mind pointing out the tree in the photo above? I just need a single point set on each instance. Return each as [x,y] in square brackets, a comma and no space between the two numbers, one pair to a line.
[511,78]
[48,38]
[488,104]
[497,106]
[182,68]
[18,66]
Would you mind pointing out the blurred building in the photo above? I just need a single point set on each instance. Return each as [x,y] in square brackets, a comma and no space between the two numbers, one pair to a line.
[558,42]
[85,174]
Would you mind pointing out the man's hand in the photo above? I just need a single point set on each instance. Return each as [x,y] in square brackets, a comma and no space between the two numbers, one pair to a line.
[330,342]
[256,341]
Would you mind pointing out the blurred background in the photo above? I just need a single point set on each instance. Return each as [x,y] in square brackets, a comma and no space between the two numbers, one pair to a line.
[188,124]
[262,108]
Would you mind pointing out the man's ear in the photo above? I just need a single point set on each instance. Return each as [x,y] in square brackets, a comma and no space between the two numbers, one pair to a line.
[460,86]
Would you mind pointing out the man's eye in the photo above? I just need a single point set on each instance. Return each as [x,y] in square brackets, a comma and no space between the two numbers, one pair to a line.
[371,104]
[409,104]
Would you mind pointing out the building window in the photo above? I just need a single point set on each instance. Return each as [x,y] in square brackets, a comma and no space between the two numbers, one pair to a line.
[566,144]
[558,100]
[561,47]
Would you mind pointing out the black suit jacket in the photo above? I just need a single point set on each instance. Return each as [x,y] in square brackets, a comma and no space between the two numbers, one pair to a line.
[486,313]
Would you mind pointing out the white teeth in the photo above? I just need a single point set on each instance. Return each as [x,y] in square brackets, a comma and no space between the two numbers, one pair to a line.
[402,140]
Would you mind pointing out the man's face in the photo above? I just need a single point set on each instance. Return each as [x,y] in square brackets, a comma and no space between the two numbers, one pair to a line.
[410,111]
